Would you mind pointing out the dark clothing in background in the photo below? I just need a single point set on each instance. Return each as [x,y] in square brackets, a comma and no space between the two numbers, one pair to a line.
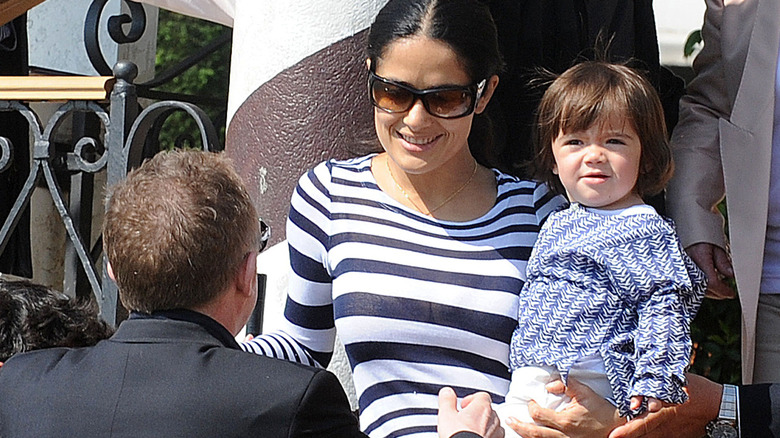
[554,35]
[16,258]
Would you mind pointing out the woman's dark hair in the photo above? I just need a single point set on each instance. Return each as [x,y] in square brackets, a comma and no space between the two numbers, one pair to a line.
[33,316]
[466,26]
[590,93]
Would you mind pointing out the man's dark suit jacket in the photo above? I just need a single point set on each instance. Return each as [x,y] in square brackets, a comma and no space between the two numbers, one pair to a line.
[759,407]
[166,378]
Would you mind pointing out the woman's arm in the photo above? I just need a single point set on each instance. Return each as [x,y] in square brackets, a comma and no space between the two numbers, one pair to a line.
[308,331]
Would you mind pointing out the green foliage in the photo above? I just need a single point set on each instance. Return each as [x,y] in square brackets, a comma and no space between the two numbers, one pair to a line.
[716,340]
[179,36]
[716,334]
[693,41]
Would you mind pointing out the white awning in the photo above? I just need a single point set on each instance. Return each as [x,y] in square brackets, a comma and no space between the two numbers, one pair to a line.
[218,11]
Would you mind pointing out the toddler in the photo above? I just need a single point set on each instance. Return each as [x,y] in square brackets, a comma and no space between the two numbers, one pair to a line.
[610,293]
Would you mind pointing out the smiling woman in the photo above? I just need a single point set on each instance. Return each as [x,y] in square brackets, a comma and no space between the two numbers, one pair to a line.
[415,254]
[427,157]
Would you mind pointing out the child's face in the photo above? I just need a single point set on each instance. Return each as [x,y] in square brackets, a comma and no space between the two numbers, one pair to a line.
[599,166]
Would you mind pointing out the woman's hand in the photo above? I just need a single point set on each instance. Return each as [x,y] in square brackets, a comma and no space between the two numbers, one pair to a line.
[588,415]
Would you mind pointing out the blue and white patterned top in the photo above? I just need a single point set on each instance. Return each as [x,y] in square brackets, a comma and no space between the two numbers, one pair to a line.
[419,303]
[618,286]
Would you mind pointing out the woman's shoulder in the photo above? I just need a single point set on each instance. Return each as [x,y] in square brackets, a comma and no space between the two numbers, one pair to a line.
[505,181]
[530,193]
[356,163]
[349,168]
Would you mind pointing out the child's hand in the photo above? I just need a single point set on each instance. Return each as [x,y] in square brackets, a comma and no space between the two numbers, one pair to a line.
[653,404]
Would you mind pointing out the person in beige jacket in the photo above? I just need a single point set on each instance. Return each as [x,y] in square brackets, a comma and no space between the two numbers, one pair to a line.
[723,145]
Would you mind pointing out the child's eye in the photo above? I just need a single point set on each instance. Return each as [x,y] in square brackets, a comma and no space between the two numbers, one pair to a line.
[615,141]
[573,141]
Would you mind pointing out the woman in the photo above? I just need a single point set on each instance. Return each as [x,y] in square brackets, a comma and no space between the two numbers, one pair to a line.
[416,254]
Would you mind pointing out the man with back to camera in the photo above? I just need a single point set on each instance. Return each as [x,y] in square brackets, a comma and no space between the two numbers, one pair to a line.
[182,238]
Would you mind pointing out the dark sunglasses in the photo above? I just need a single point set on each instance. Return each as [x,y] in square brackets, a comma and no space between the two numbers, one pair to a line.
[265,235]
[448,102]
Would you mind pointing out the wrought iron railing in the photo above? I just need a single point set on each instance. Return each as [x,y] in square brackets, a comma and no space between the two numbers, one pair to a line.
[123,143]
[108,133]
[129,28]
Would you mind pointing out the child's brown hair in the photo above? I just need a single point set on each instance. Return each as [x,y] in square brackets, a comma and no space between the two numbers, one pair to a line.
[592,92]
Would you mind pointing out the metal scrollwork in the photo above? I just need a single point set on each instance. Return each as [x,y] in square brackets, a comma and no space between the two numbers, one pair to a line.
[24,110]
[26,192]
[137,20]
[155,114]
[44,157]
[79,161]
[6,154]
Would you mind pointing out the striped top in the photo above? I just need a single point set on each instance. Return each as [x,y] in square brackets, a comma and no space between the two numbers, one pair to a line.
[419,303]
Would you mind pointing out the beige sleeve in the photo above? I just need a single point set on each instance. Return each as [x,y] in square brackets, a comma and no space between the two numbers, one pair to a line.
[697,186]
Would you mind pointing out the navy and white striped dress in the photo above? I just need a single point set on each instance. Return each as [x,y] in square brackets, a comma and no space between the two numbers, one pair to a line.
[419,303]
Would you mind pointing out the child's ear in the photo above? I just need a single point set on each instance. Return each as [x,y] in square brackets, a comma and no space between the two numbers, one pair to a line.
[555,169]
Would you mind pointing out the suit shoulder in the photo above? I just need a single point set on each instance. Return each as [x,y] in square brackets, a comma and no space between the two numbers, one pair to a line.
[238,360]
[36,359]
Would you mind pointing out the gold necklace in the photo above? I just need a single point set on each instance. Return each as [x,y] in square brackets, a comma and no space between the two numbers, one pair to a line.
[449,198]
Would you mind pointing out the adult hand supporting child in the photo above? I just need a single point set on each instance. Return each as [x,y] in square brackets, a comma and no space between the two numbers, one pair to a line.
[686,420]
[588,415]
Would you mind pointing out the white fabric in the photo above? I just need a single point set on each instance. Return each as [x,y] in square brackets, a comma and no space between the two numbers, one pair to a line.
[218,11]
[634,209]
[528,384]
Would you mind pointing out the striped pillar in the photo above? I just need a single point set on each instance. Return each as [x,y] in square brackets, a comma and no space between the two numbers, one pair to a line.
[297,93]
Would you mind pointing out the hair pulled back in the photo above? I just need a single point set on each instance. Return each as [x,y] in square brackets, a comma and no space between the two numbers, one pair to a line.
[466,26]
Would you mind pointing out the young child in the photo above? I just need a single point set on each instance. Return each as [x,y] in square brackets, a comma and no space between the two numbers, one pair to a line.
[610,292]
